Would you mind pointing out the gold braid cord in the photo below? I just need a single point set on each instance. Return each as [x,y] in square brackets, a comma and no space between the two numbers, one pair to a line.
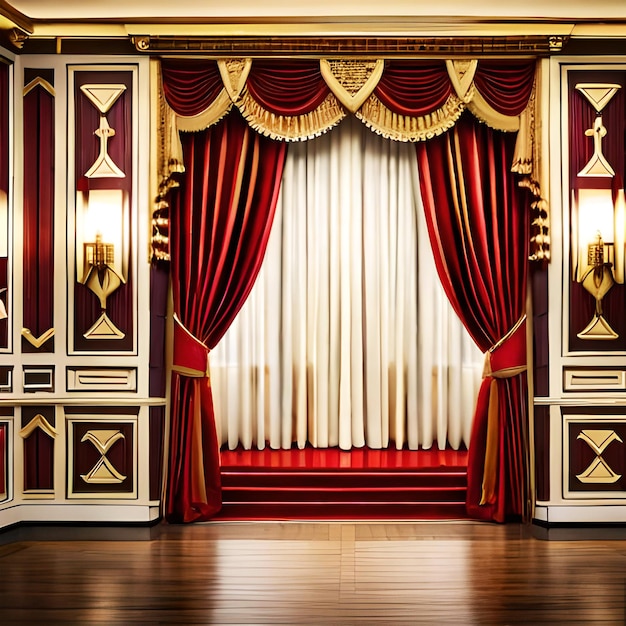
[291,127]
[385,122]
[527,164]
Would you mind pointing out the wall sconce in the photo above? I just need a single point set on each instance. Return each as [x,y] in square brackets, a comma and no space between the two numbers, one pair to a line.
[598,245]
[102,250]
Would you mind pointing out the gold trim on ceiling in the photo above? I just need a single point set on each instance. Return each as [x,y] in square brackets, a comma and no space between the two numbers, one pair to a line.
[448,46]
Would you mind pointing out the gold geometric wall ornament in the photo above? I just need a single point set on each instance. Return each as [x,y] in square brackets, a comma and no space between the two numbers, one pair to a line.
[599,440]
[597,166]
[103,471]
[598,95]
[234,73]
[103,97]
[39,82]
[599,471]
[39,421]
[461,73]
[104,328]
[352,80]
[37,342]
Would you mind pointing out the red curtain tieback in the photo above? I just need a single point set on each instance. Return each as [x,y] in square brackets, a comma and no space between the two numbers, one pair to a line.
[507,358]
[190,355]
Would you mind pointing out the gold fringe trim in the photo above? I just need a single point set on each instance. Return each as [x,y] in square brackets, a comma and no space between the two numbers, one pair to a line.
[216,111]
[482,111]
[291,128]
[383,121]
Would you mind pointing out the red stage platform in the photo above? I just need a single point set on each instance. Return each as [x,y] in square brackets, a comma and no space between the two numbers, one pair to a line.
[335,484]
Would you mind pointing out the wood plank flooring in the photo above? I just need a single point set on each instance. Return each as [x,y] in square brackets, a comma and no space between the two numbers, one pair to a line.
[316,573]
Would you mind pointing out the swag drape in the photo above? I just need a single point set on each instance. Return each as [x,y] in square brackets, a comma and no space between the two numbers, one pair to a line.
[256,93]
[478,227]
[221,219]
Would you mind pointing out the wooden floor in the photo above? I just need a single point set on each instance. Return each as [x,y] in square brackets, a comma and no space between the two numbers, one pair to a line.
[460,573]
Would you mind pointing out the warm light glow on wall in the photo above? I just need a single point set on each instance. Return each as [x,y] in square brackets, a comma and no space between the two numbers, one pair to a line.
[595,215]
[101,212]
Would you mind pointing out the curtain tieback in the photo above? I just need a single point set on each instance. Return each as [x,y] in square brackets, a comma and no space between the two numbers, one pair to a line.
[190,355]
[505,359]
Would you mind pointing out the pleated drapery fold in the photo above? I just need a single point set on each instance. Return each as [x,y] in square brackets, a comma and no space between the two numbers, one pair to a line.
[478,227]
[222,214]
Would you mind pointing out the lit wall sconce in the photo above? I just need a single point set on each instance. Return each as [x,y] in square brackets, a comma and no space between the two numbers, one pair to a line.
[598,245]
[102,250]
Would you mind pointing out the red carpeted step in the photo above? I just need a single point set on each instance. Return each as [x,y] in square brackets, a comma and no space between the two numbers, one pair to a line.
[340,485]
[233,477]
[343,511]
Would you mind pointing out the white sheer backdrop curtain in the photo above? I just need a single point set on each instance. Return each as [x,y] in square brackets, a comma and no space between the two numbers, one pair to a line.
[347,338]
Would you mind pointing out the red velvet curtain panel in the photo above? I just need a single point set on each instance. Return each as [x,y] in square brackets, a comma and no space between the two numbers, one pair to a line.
[506,85]
[293,87]
[221,216]
[410,88]
[191,86]
[478,225]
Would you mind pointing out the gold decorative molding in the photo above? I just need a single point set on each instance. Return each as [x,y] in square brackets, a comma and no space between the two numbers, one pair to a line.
[39,421]
[103,472]
[11,16]
[104,328]
[342,46]
[598,95]
[103,97]
[39,82]
[598,473]
[599,440]
[599,470]
[18,37]
[352,80]
[37,342]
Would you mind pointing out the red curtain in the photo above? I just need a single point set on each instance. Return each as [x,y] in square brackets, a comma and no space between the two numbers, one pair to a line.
[191,86]
[414,88]
[506,85]
[478,222]
[221,216]
[478,225]
[291,87]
